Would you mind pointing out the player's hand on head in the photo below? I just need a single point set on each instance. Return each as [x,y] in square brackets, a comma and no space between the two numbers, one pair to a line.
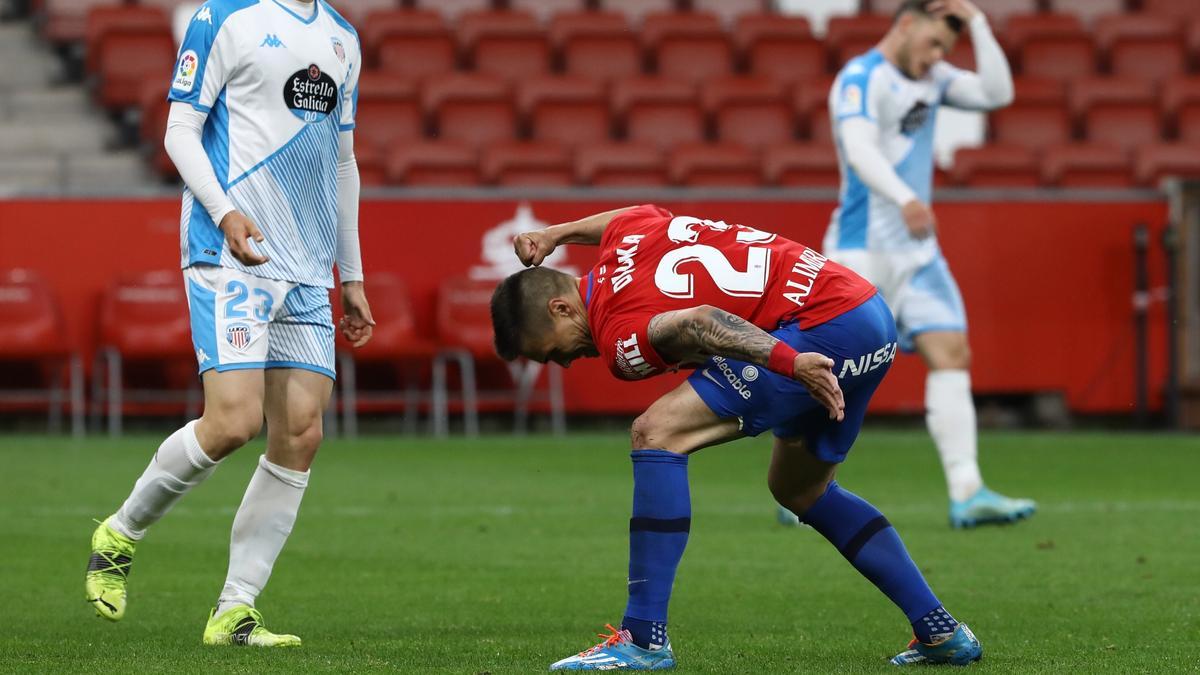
[815,372]
[963,9]
[356,323]
[919,218]
[533,247]
[238,229]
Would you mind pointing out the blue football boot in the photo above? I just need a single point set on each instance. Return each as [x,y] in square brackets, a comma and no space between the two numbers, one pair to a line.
[986,507]
[960,649]
[618,652]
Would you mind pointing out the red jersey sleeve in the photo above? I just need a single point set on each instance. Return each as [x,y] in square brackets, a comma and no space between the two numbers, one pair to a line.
[636,218]
[626,349]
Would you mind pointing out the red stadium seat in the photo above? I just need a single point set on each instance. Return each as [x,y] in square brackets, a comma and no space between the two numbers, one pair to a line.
[688,46]
[66,20]
[396,344]
[995,166]
[810,165]
[780,47]
[32,331]
[433,164]
[127,59]
[636,10]
[372,170]
[412,43]
[1150,47]
[714,165]
[753,112]
[849,36]
[567,110]
[599,45]
[527,164]
[1179,9]
[657,111]
[128,20]
[1051,46]
[1181,108]
[1153,163]
[811,103]
[731,11]
[1087,10]
[453,9]
[1037,118]
[474,109]
[388,110]
[620,165]
[144,318]
[1090,166]
[354,11]
[1121,111]
[545,9]
[511,45]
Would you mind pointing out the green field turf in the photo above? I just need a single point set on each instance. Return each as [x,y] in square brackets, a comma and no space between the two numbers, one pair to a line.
[503,555]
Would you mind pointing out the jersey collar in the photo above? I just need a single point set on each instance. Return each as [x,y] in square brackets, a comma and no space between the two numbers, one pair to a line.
[587,294]
[301,19]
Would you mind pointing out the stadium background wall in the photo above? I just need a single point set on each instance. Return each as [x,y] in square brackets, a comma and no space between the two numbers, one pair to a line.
[1048,285]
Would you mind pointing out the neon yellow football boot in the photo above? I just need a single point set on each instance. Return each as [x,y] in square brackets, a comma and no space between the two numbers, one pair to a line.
[108,571]
[242,625]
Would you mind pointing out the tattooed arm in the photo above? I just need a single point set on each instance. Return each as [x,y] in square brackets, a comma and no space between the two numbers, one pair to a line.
[691,336]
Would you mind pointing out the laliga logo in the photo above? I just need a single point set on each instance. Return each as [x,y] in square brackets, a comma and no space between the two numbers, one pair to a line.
[497,254]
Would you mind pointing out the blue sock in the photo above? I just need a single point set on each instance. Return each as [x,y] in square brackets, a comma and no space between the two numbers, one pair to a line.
[865,538]
[934,626]
[658,533]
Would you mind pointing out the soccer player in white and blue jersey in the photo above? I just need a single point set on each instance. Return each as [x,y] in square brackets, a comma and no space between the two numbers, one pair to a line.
[884,105]
[261,130]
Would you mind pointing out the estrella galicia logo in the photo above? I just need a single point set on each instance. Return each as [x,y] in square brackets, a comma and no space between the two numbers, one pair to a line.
[310,94]
[915,118]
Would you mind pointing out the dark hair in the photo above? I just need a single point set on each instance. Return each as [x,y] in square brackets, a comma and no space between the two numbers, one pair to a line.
[516,304]
[919,7]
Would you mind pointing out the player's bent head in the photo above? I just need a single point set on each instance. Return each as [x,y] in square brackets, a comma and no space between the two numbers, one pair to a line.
[521,309]
[924,38]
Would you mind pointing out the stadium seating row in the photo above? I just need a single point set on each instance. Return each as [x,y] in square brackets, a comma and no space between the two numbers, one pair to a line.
[143,319]
[548,164]
[130,43]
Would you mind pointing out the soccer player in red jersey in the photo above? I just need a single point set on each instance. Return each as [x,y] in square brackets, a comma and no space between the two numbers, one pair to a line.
[780,338]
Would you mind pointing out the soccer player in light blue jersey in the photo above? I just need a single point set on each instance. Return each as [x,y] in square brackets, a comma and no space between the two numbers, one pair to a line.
[261,130]
[884,105]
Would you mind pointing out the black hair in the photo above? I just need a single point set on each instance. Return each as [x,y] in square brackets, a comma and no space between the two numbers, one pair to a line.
[519,307]
[920,8]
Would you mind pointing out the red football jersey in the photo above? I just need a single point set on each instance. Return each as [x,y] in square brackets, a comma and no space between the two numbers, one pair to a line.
[652,261]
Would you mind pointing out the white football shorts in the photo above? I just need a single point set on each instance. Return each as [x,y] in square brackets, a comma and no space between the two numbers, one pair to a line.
[240,321]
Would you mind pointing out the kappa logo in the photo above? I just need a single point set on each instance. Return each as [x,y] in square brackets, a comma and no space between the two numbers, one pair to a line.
[205,15]
[201,356]
[272,40]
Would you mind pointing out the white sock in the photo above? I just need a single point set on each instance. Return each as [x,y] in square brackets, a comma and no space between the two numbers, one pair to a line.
[178,466]
[260,528]
[950,416]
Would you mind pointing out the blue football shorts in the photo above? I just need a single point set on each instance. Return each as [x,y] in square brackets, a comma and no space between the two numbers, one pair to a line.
[861,342]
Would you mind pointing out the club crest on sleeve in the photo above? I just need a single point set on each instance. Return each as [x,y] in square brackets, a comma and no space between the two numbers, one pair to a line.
[238,336]
[185,75]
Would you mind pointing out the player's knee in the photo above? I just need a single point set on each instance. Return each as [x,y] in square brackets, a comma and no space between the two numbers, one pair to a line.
[234,426]
[954,355]
[652,431]
[798,498]
[307,437]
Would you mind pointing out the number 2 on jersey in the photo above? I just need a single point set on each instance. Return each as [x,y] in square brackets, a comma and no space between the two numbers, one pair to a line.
[749,283]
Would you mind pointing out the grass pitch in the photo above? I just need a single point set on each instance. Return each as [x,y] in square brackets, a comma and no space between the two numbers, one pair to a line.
[502,555]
